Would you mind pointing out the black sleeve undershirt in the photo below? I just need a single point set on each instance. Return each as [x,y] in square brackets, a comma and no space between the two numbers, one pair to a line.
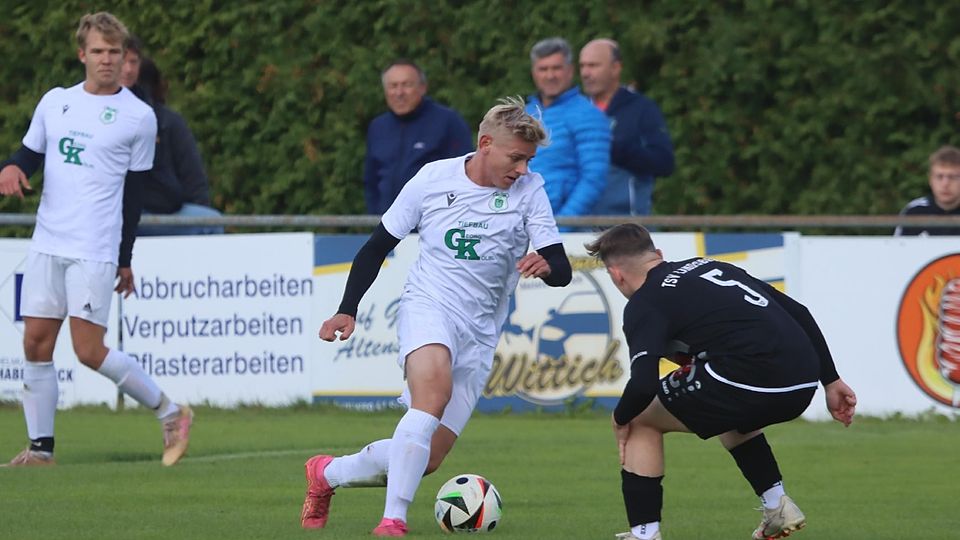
[642,330]
[828,370]
[25,158]
[366,266]
[634,400]
[132,207]
[560,271]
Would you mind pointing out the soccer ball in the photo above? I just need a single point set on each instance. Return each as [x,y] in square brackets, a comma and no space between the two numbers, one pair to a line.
[468,503]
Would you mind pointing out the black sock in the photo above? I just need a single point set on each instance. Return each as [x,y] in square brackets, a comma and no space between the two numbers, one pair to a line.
[42,444]
[756,462]
[643,497]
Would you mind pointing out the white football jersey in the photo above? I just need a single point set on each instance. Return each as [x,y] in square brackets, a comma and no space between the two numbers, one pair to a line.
[89,142]
[471,238]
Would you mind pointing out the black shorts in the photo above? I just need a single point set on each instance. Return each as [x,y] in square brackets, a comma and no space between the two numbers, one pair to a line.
[709,406]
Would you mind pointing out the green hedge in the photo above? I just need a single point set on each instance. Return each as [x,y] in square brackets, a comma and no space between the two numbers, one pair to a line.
[775,107]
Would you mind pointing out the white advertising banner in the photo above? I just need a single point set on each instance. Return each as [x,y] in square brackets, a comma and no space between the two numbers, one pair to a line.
[890,310]
[224,319]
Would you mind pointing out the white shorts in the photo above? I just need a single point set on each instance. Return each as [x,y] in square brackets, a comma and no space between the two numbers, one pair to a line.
[423,323]
[55,287]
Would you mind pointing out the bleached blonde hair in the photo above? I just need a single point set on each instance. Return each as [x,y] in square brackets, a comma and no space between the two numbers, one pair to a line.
[510,116]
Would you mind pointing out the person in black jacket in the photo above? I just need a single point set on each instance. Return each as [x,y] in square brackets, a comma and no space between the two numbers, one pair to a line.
[178,184]
[944,197]
[750,357]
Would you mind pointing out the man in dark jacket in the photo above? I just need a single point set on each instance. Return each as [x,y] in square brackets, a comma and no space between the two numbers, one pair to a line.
[944,197]
[415,131]
[641,148]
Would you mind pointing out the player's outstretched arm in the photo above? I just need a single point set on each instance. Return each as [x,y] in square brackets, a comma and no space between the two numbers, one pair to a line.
[24,163]
[14,172]
[341,324]
[366,266]
[841,401]
[549,263]
[13,181]
[125,284]
[533,265]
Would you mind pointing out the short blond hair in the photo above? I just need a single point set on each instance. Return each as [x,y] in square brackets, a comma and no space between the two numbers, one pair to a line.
[109,27]
[510,116]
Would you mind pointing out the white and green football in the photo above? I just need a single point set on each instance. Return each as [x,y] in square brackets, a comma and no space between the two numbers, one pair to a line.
[468,503]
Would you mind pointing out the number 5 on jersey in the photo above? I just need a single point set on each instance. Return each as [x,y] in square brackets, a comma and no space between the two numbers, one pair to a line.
[752,296]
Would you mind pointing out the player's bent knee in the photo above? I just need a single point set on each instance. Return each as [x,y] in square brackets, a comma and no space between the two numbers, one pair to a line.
[36,349]
[39,339]
[91,355]
[431,402]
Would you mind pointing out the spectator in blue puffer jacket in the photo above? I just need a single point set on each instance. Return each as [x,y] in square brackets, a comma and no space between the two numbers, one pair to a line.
[641,148]
[415,131]
[574,165]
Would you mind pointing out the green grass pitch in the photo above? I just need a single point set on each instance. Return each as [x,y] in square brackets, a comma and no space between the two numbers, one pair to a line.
[558,475]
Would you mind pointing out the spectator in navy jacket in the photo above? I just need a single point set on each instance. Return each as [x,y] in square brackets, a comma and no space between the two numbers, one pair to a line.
[574,165]
[415,131]
[641,149]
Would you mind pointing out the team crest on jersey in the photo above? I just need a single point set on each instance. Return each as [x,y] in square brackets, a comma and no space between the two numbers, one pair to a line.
[928,330]
[108,115]
[498,203]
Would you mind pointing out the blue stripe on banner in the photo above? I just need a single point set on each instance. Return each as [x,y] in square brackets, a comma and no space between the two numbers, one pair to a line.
[362,403]
[717,243]
[516,404]
[336,248]
[487,405]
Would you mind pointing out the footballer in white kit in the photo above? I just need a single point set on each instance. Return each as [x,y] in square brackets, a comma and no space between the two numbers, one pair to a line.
[457,291]
[89,142]
[96,142]
[477,216]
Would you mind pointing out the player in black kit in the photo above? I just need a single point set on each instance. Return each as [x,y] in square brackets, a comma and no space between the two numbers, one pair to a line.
[750,357]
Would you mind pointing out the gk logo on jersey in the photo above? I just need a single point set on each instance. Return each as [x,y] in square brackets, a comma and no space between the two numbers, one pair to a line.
[72,152]
[456,239]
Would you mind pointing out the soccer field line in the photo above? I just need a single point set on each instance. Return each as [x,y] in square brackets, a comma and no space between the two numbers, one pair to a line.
[230,456]
[260,454]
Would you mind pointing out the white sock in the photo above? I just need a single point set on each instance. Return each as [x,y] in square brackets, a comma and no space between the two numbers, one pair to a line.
[366,468]
[645,531]
[771,497]
[409,454]
[167,409]
[130,377]
[40,395]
